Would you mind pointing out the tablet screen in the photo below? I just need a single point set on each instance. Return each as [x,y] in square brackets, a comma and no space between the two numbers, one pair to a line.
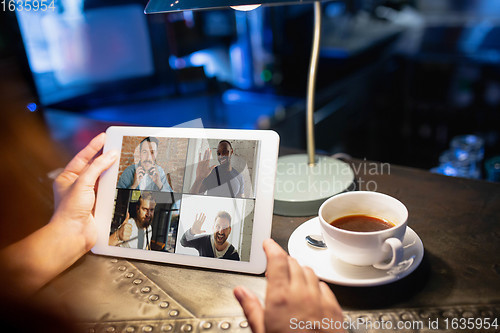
[186,196]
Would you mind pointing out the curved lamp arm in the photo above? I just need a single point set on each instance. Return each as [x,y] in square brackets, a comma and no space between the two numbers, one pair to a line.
[311,82]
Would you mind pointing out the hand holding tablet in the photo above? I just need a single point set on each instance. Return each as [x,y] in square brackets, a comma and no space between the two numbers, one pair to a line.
[199,197]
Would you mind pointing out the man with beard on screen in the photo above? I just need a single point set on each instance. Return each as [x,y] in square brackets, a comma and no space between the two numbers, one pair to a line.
[214,245]
[136,232]
[221,180]
[147,174]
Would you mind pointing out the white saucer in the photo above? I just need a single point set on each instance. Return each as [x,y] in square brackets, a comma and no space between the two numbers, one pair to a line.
[330,269]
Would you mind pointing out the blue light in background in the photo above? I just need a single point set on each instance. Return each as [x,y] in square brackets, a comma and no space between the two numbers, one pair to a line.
[335,9]
[215,62]
[32,107]
[204,58]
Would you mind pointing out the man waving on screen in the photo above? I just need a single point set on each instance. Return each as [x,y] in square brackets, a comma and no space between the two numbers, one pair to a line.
[222,180]
[214,245]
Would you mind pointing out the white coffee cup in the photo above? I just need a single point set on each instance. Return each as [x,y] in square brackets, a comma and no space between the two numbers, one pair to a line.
[372,248]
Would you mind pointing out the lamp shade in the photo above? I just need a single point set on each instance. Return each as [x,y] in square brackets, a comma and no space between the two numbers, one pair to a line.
[164,6]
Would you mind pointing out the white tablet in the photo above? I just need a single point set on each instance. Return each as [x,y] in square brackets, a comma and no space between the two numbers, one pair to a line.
[197,197]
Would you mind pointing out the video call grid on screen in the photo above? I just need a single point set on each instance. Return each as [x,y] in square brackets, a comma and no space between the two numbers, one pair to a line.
[186,196]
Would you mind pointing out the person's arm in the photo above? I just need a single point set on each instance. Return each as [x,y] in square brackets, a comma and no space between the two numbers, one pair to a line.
[131,177]
[293,294]
[121,234]
[233,255]
[137,173]
[241,192]
[190,239]
[158,177]
[122,181]
[203,169]
[198,186]
[165,185]
[33,261]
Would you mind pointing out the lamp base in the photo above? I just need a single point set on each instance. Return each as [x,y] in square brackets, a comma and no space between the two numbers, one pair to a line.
[300,189]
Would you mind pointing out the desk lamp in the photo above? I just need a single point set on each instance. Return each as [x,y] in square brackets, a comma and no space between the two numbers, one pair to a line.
[304,181]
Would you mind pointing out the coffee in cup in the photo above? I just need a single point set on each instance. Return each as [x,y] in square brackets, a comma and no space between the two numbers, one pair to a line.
[361,223]
[364,228]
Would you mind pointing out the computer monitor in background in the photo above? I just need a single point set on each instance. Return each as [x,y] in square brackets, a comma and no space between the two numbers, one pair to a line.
[108,61]
[81,56]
